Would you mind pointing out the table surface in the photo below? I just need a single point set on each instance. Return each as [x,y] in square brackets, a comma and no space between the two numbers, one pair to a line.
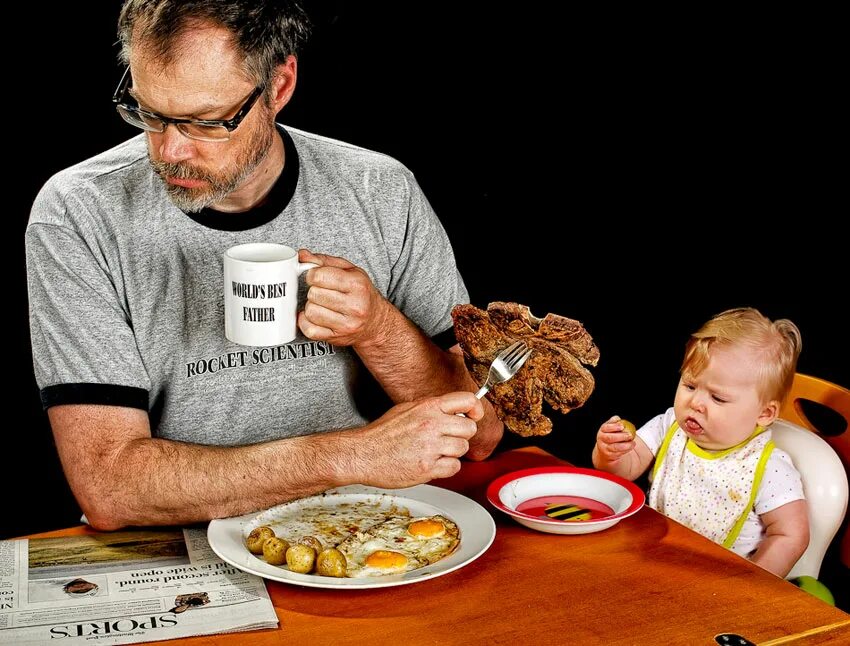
[647,580]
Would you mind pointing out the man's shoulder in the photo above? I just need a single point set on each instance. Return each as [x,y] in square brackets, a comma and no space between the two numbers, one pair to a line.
[313,147]
[97,177]
[104,168]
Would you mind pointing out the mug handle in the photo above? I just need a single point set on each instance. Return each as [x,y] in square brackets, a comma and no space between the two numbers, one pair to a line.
[304,266]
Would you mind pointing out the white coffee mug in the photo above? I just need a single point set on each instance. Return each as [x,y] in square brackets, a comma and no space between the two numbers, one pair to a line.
[261,293]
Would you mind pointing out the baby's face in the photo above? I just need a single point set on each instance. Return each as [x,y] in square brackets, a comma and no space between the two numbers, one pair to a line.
[721,406]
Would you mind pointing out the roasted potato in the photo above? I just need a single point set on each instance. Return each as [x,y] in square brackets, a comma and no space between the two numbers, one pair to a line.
[257,538]
[313,542]
[274,550]
[331,562]
[301,558]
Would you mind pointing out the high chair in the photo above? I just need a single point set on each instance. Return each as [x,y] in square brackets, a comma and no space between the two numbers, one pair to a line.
[826,489]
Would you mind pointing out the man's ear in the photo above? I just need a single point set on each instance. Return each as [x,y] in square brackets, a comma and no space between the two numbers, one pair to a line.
[283,83]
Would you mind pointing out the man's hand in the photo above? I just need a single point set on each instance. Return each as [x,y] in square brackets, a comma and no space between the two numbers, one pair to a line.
[415,442]
[343,307]
[490,427]
[490,432]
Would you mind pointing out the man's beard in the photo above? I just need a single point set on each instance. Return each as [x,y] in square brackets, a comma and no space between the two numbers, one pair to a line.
[220,185]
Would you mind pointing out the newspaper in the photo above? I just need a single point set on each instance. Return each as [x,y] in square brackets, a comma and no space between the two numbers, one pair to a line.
[124,587]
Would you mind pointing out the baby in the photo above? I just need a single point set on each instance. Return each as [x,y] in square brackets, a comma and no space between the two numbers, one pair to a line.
[716,469]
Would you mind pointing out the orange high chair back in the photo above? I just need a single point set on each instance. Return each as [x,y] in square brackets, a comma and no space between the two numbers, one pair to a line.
[835,397]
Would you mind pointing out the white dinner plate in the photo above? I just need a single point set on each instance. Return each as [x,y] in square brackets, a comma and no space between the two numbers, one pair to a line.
[477,531]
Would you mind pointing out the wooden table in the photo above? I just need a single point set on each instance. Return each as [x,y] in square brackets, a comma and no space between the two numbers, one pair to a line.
[647,580]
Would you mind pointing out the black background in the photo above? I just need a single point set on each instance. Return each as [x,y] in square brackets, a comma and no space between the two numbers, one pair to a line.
[549,142]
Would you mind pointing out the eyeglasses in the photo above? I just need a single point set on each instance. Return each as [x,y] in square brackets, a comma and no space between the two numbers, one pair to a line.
[200,129]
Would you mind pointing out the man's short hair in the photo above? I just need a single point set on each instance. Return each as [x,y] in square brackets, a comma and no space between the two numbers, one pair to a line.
[265,33]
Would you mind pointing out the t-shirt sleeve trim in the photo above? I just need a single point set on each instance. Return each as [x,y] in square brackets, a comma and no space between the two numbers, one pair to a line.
[445,339]
[104,394]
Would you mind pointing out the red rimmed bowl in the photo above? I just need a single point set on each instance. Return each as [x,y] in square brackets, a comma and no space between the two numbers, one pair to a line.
[525,495]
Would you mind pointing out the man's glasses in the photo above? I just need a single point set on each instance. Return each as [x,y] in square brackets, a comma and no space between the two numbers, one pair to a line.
[201,129]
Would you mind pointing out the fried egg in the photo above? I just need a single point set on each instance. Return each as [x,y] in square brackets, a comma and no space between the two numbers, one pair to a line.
[426,528]
[399,545]
[376,539]
[376,557]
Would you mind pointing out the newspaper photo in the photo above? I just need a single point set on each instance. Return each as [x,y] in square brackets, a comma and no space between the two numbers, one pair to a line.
[124,587]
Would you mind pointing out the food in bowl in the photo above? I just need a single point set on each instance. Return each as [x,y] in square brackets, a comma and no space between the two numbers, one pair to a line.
[566,513]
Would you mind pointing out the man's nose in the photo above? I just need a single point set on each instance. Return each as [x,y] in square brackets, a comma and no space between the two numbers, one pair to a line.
[172,145]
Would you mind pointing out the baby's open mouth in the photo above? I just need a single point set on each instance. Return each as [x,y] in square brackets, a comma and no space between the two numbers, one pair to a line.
[692,427]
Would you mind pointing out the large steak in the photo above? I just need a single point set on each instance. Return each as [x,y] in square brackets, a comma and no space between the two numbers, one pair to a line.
[554,371]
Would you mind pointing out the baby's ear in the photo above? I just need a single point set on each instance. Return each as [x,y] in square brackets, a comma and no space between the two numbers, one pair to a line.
[769,413]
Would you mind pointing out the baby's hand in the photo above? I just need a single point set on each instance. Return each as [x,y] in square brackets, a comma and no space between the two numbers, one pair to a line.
[613,441]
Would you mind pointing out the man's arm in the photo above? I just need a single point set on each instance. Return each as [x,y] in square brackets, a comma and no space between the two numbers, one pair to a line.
[345,309]
[122,476]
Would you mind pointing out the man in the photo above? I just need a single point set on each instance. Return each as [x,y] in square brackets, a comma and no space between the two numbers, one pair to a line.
[158,419]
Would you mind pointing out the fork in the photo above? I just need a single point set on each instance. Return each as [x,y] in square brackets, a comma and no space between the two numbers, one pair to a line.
[505,366]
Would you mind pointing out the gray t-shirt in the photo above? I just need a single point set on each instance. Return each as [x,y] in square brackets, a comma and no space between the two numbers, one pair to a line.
[127,303]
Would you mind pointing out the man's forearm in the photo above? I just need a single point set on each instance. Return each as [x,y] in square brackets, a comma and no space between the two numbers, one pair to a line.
[134,479]
[122,476]
[218,482]
[407,364]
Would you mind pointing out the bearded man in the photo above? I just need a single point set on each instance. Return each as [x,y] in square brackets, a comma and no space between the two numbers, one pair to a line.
[158,419]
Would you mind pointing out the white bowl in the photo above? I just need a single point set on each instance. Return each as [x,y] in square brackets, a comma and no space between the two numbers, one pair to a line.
[524,494]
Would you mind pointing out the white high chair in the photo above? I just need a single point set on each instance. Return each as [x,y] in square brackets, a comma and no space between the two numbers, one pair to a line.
[835,397]
[825,487]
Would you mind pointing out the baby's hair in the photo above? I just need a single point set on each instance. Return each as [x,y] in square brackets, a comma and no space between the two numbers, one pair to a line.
[777,342]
